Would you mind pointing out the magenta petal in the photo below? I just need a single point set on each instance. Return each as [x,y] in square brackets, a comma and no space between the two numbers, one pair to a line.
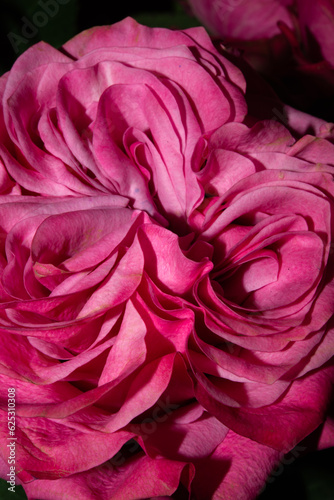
[327,435]
[128,33]
[121,284]
[165,261]
[42,447]
[38,55]
[318,18]
[238,468]
[236,20]
[80,239]
[191,440]
[282,424]
[128,481]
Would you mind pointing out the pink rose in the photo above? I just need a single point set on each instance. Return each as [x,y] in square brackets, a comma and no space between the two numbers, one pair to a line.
[166,291]
[289,41]
[246,20]
[78,343]
[243,19]
[261,351]
[316,24]
[75,127]
[265,306]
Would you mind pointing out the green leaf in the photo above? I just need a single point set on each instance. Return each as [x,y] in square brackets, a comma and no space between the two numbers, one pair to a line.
[9,495]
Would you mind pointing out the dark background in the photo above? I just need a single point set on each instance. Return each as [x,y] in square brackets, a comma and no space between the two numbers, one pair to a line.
[72,17]
[309,477]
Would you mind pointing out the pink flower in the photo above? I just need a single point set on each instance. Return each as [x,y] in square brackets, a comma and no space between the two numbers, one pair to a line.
[75,126]
[289,41]
[79,346]
[316,23]
[166,291]
[246,20]
[243,19]
[265,306]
